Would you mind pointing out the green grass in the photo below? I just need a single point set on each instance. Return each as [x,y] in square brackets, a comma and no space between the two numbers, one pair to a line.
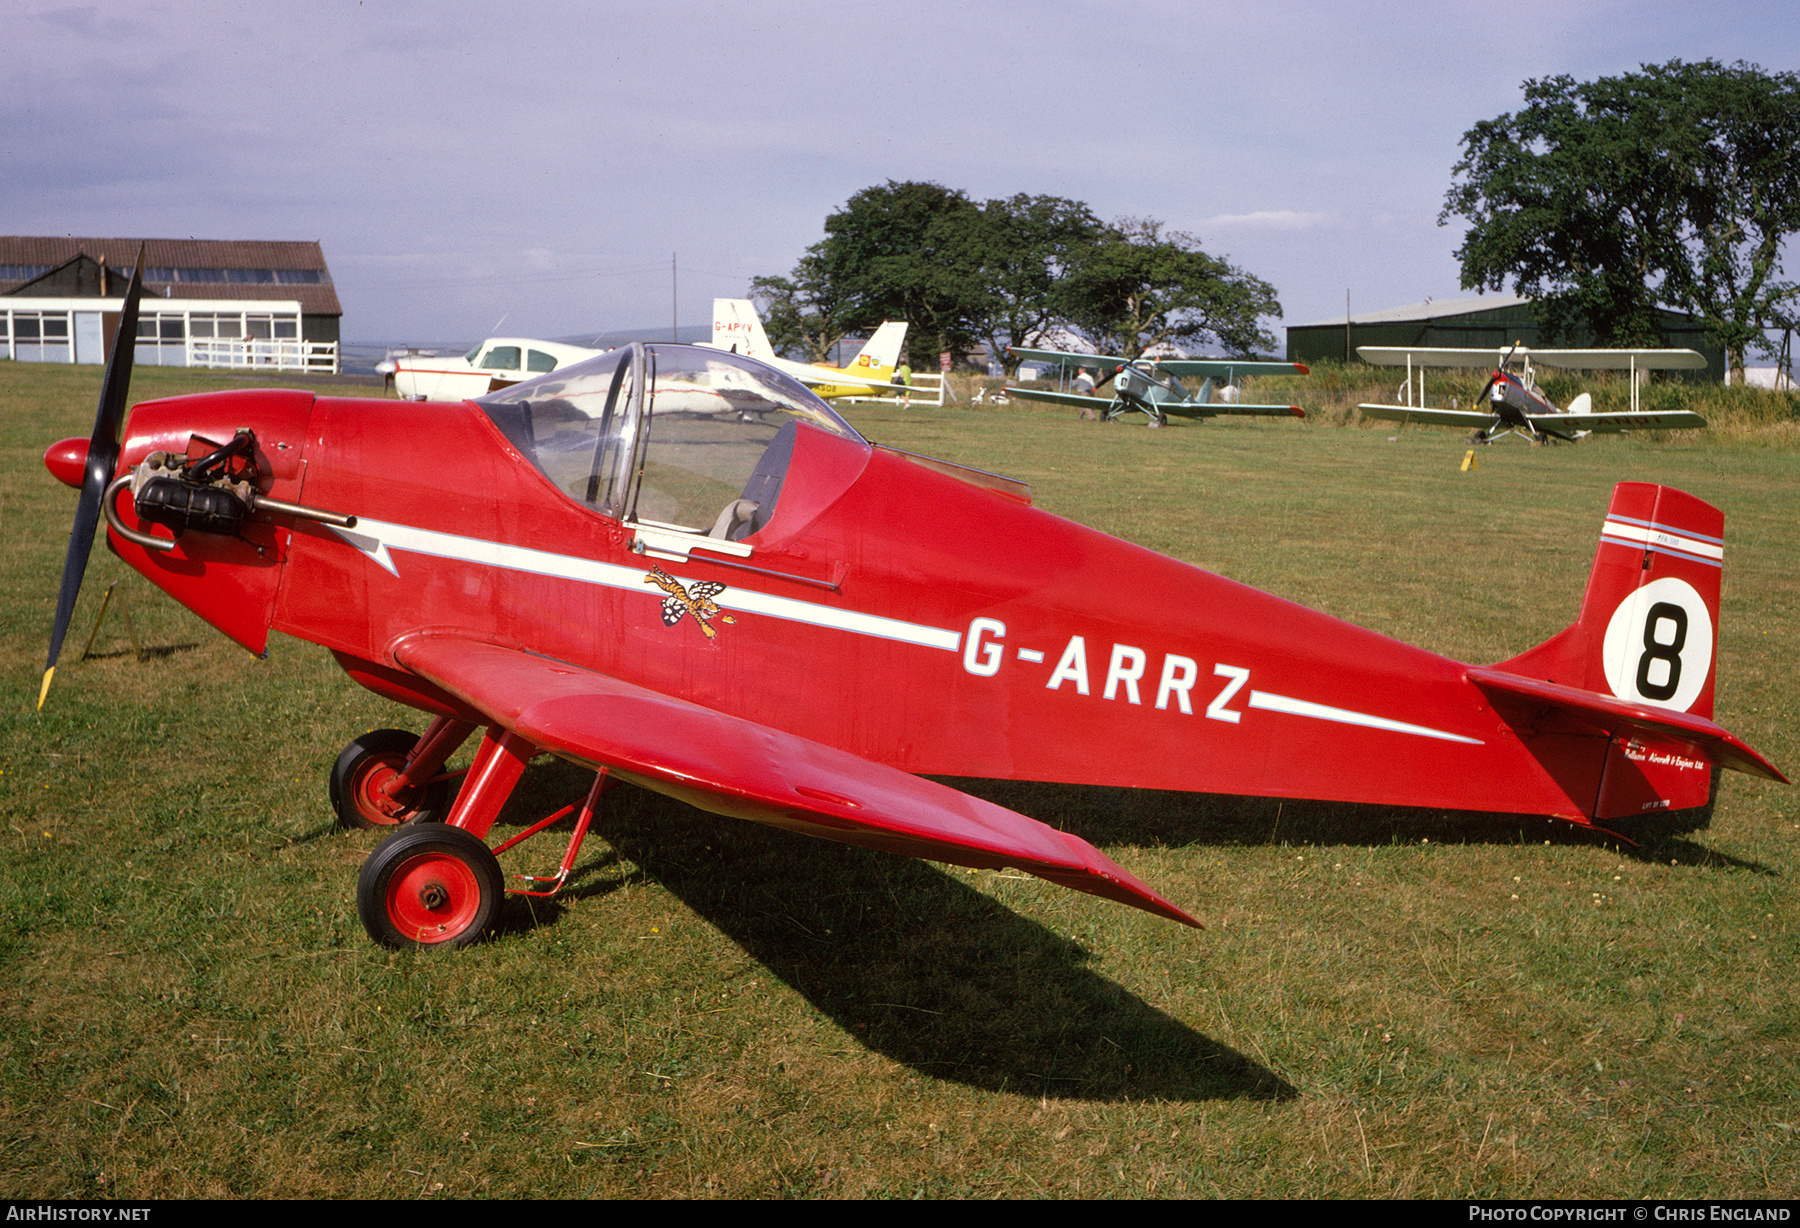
[1381,1005]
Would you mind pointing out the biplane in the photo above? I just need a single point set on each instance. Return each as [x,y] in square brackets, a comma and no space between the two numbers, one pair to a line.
[1153,387]
[737,328]
[1515,403]
[677,567]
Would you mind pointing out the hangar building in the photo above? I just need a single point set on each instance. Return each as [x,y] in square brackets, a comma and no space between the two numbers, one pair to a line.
[1473,323]
[207,302]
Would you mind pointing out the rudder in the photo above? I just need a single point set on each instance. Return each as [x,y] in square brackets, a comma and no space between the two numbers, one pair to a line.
[1649,624]
[1647,635]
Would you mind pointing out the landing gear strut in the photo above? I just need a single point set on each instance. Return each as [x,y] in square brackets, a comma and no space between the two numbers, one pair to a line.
[388,776]
[438,884]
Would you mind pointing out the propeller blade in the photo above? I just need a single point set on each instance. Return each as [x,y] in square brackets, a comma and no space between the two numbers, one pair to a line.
[102,455]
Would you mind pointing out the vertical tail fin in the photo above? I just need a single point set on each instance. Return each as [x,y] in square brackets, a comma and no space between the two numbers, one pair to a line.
[738,328]
[1638,663]
[1649,625]
[882,353]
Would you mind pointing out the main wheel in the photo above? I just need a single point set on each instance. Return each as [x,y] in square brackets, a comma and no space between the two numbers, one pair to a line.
[364,769]
[429,886]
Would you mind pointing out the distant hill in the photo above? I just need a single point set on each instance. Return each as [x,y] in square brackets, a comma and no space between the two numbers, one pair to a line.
[687,332]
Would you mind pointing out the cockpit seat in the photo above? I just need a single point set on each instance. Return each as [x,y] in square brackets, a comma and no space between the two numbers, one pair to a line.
[733,514]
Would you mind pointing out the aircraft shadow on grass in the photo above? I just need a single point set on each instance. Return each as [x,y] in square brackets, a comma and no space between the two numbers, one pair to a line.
[1114,817]
[914,965]
[907,960]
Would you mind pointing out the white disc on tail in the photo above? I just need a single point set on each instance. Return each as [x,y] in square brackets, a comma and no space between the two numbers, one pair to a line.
[1659,645]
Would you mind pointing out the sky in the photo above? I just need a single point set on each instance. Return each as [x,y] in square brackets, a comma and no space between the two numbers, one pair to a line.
[541,169]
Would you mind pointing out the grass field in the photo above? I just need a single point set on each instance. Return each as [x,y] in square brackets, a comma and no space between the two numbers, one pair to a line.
[1381,1005]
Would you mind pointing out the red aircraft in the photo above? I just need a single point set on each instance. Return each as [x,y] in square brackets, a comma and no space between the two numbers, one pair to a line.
[680,568]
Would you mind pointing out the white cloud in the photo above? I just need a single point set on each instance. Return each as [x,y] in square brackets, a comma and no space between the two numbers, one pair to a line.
[1269,219]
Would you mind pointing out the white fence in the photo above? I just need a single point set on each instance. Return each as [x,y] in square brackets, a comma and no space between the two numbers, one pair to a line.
[261,354]
[927,389]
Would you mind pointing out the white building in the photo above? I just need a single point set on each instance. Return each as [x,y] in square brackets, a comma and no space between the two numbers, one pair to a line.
[261,335]
[266,305]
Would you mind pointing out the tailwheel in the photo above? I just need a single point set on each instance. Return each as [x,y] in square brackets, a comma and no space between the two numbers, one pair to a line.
[429,886]
[362,773]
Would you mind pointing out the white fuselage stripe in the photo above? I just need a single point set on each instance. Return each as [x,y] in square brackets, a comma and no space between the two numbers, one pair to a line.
[1343,716]
[375,538]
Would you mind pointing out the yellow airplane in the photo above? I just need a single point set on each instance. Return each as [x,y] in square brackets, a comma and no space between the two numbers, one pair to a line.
[737,327]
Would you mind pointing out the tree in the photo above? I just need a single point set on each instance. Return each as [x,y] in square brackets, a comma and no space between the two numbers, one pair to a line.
[906,251]
[1674,185]
[1027,247]
[1005,270]
[805,313]
[1137,287]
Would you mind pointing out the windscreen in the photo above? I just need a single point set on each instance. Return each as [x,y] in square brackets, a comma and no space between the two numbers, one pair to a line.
[705,451]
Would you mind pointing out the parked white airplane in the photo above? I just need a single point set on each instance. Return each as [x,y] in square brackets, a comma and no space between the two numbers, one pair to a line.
[1515,403]
[494,364]
[737,327]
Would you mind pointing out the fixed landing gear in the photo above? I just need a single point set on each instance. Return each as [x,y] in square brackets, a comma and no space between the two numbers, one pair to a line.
[429,886]
[432,884]
[365,773]
[388,777]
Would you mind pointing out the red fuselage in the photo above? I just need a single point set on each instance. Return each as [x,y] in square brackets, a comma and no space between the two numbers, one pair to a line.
[887,610]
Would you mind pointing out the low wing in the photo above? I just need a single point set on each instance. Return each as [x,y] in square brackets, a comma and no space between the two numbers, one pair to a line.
[1100,404]
[749,771]
[1175,409]
[1228,409]
[1433,417]
[1678,420]
[832,377]
[1575,360]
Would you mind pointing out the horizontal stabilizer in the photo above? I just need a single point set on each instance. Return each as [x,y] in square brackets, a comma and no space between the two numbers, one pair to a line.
[736,767]
[1624,718]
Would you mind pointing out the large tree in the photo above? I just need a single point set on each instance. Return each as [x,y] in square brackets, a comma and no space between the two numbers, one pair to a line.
[1674,185]
[906,251]
[1027,247]
[804,313]
[1003,271]
[1138,286]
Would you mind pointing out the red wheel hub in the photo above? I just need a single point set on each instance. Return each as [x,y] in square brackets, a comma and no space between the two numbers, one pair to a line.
[369,791]
[433,897]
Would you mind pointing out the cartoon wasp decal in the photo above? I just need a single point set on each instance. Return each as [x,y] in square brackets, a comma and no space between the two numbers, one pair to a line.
[698,601]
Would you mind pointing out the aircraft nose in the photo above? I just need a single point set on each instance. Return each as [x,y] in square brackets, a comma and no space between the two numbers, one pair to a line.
[67,461]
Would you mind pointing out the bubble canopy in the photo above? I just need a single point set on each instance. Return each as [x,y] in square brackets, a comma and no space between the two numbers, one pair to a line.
[675,436]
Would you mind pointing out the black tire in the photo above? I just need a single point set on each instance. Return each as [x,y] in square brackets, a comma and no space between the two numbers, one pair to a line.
[360,770]
[429,886]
